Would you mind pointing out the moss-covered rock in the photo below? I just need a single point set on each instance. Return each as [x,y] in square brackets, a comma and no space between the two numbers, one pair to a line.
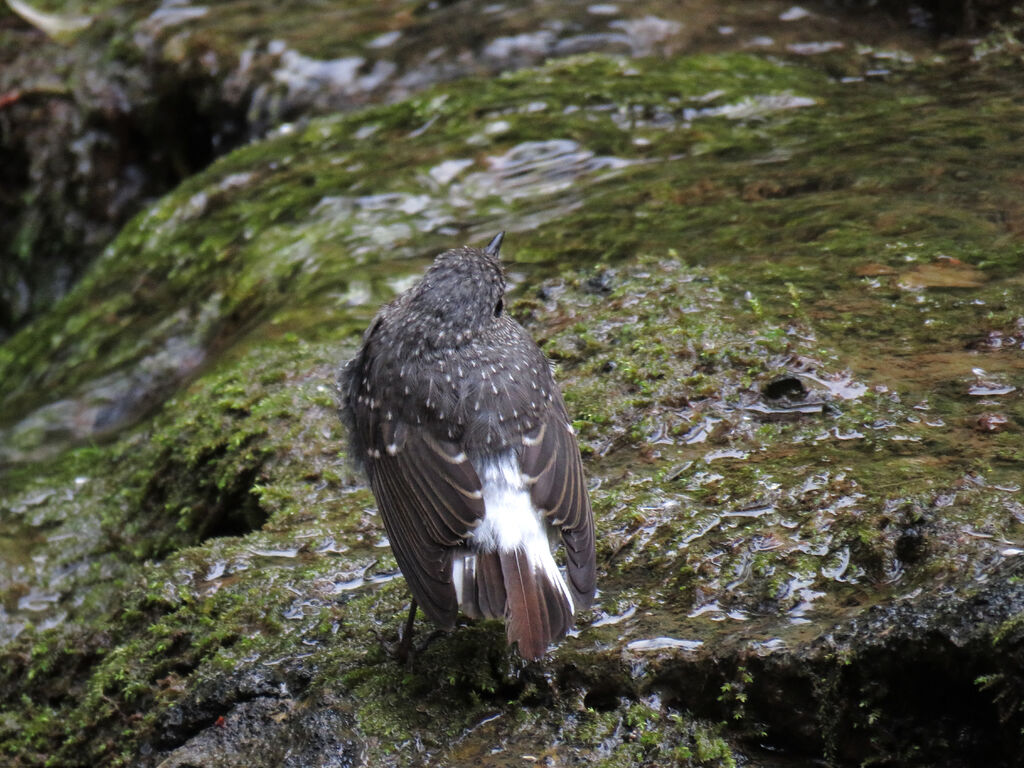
[105,106]
[785,311]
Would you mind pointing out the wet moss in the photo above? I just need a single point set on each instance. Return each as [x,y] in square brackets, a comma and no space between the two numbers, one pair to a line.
[647,736]
[278,184]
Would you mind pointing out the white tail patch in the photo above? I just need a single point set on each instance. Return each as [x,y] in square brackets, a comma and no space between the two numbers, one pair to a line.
[511,522]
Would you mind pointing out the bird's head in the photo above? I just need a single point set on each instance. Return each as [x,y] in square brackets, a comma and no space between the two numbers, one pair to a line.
[461,296]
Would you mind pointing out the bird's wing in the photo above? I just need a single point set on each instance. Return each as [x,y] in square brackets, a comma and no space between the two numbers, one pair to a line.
[430,498]
[550,461]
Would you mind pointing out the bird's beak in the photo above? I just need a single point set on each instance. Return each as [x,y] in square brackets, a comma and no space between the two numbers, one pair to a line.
[495,245]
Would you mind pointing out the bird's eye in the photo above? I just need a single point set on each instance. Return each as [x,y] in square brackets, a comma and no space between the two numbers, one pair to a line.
[498,307]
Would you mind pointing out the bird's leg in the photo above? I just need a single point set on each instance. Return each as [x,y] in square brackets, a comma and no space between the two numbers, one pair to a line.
[404,651]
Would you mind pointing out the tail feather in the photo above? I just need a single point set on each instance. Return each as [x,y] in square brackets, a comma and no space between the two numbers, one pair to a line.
[537,610]
[531,596]
[560,612]
[490,586]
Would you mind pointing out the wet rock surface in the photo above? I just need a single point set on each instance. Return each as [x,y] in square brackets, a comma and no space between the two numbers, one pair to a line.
[103,107]
[786,320]
[100,119]
[255,717]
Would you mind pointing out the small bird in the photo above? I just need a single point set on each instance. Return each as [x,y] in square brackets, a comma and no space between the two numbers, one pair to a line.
[456,419]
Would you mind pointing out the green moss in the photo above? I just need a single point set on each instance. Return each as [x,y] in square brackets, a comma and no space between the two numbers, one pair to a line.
[195,270]
[642,735]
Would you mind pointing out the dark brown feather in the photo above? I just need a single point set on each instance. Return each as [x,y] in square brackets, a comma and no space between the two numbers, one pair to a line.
[551,462]
[429,503]
[490,586]
[525,617]
[536,611]
[425,564]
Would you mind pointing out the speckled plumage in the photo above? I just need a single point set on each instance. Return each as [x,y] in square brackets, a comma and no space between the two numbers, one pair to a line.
[456,418]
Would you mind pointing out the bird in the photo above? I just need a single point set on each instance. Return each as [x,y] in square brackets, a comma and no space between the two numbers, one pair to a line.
[454,415]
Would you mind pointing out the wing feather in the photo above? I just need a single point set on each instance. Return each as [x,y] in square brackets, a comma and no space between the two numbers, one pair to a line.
[551,462]
[430,500]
